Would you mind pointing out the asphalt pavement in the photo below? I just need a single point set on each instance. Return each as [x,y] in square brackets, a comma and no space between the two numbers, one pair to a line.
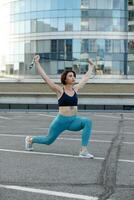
[56,172]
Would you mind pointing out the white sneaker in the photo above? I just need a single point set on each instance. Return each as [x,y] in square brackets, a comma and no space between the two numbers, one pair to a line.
[85,154]
[28,143]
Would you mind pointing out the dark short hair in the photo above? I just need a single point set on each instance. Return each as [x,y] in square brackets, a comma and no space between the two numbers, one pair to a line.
[64,75]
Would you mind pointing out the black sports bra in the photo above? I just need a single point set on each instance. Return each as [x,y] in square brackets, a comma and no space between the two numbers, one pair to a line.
[66,100]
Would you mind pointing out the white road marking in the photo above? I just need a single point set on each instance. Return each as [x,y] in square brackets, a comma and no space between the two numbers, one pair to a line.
[127,161]
[57,154]
[48,192]
[4,117]
[110,116]
[66,139]
[114,117]
[97,141]
[47,115]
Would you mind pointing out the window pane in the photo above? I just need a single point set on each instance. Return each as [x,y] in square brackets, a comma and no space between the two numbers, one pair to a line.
[22,27]
[76,45]
[33,26]
[76,24]
[61,66]
[116,4]
[69,24]
[43,5]
[69,4]
[27,5]
[61,4]
[92,45]
[92,4]
[43,46]
[40,26]
[84,46]
[116,24]
[92,24]
[53,67]
[108,67]
[54,46]
[54,24]
[34,5]
[116,46]
[68,49]
[106,25]
[108,46]
[46,25]
[131,46]
[61,24]
[33,46]
[84,4]
[100,48]
[84,24]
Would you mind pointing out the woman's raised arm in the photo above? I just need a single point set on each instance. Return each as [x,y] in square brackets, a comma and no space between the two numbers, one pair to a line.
[55,87]
[85,77]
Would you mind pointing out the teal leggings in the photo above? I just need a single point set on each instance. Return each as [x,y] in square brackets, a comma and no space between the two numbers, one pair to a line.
[62,123]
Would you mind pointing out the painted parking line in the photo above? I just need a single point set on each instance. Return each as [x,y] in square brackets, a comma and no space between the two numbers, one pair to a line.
[48,192]
[95,141]
[114,117]
[108,116]
[47,115]
[57,154]
[98,115]
[45,154]
[1,117]
[67,139]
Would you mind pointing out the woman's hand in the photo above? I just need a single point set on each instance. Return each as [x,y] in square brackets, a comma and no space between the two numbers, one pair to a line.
[90,62]
[36,59]
[92,65]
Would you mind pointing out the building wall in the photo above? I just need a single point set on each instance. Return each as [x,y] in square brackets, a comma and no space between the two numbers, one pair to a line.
[131,37]
[66,33]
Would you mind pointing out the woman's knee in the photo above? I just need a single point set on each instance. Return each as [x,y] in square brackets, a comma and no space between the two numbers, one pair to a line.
[49,141]
[87,122]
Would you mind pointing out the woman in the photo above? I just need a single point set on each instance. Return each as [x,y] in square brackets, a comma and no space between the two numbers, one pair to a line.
[67,118]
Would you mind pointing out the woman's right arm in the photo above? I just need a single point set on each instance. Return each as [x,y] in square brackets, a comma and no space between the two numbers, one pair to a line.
[56,88]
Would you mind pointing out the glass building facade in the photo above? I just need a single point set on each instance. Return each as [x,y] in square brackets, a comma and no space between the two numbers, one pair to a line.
[131,37]
[66,32]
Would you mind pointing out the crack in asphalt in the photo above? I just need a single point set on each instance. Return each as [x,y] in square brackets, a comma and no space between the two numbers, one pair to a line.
[107,176]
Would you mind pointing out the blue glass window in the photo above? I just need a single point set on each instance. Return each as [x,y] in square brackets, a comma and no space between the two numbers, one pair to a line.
[61,4]
[69,4]
[76,45]
[76,24]
[61,24]
[84,46]
[108,46]
[27,5]
[92,24]
[92,45]
[34,5]
[116,4]
[116,24]
[68,24]
[43,5]
[54,4]
[54,24]
[100,48]
[84,24]
[61,13]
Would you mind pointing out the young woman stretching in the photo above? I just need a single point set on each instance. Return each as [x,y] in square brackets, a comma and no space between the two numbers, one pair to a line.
[67,118]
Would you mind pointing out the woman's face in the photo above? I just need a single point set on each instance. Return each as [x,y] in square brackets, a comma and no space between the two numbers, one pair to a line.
[70,78]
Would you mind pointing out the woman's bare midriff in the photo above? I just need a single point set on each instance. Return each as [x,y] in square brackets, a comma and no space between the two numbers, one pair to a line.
[68,110]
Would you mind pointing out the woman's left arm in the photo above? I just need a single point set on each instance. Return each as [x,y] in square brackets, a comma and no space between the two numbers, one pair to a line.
[85,77]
